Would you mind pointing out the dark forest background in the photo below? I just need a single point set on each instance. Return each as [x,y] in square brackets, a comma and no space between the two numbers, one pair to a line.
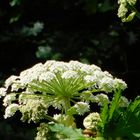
[33,31]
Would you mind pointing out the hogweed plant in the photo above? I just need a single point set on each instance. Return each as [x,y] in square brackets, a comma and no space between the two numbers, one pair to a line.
[53,93]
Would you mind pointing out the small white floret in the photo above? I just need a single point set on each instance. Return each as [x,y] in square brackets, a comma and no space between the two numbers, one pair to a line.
[69,74]
[47,76]
[81,107]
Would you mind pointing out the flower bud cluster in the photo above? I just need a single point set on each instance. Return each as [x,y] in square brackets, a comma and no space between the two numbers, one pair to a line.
[123,102]
[33,110]
[124,9]
[81,107]
[67,120]
[91,121]
[42,133]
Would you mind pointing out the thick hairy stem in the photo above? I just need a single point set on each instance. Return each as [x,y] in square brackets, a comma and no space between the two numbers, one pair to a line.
[66,104]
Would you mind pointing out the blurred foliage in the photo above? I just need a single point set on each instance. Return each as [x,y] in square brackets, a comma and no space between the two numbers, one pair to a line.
[32,31]
[15,2]
[86,30]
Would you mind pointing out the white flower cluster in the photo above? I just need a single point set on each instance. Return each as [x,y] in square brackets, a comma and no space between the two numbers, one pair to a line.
[119,84]
[81,107]
[69,74]
[58,67]
[106,84]
[90,79]
[33,110]
[31,74]
[11,110]
[47,76]
[91,121]
[10,80]
[101,99]
[2,92]
[58,83]
[8,99]
[88,74]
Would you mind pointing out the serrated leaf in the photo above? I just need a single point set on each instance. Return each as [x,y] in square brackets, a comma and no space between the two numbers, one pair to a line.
[69,132]
[104,114]
[114,104]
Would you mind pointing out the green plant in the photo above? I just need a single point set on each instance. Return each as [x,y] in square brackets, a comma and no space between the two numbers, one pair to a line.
[70,88]
[122,120]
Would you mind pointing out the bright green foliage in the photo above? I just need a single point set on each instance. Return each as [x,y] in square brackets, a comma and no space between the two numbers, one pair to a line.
[114,104]
[129,123]
[123,122]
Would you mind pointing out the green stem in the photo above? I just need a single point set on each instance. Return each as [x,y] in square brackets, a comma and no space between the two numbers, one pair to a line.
[66,104]
[73,101]
[51,119]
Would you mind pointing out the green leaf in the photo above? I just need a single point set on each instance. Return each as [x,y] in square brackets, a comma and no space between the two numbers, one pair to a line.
[114,104]
[68,133]
[127,122]
[104,116]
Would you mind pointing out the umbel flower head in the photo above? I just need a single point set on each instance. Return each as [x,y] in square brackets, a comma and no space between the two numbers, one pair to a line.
[57,84]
